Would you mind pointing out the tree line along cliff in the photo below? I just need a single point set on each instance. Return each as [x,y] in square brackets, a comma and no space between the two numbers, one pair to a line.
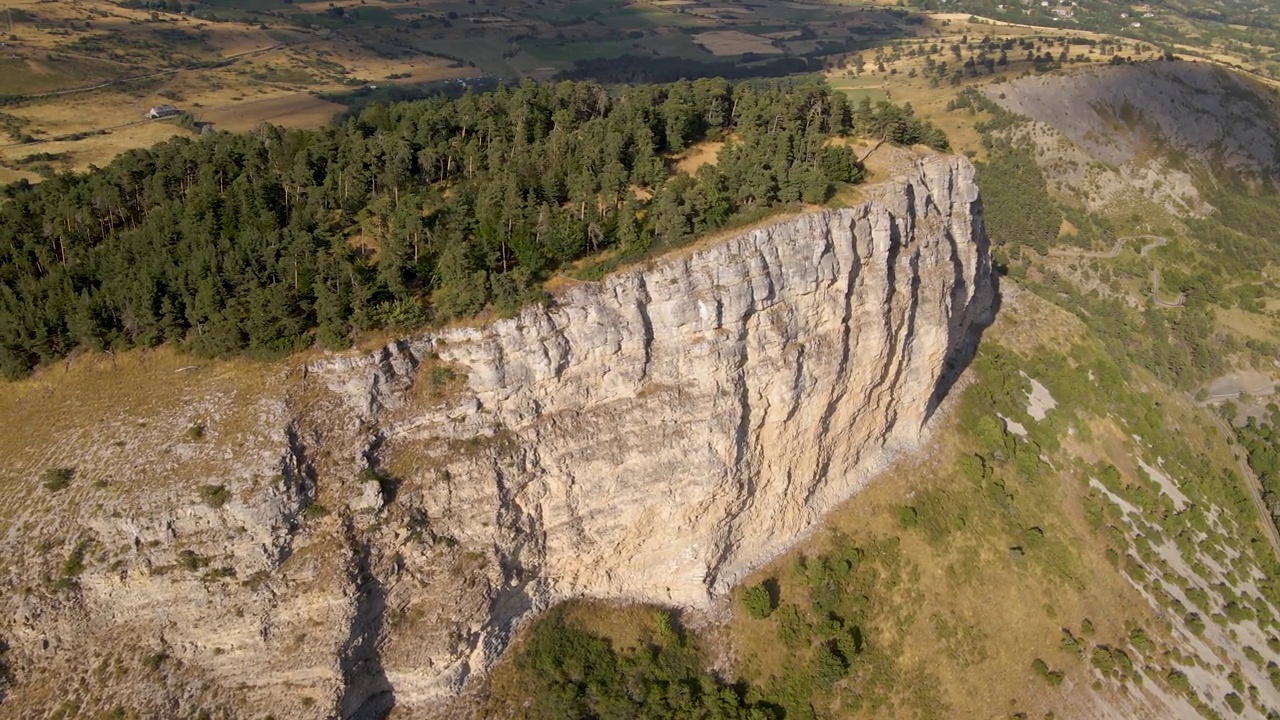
[264,242]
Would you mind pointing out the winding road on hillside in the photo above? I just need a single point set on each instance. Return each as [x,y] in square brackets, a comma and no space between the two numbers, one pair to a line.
[1250,481]
[1155,242]
[1259,391]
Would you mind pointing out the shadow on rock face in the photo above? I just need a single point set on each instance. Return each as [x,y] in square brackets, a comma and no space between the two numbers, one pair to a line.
[982,309]
[368,694]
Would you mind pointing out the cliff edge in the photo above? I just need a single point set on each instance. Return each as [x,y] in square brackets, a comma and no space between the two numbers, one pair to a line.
[389,518]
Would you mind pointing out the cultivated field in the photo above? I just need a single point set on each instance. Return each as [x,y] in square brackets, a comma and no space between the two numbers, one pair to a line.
[734,42]
[76,77]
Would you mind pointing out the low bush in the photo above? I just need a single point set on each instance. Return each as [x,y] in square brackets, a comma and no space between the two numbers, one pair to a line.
[215,496]
[758,602]
[54,479]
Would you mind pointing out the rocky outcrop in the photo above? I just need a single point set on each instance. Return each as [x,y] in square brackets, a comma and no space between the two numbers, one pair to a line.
[1113,134]
[649,437]
[1210,117]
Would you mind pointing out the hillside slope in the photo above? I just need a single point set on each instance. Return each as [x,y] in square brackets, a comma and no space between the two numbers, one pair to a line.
[1079,540]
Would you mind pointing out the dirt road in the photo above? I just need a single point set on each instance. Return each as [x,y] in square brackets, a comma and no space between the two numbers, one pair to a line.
[1156,241]
[1251,482]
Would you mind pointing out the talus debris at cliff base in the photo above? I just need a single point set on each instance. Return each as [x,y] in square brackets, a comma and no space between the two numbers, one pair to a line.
[649,437]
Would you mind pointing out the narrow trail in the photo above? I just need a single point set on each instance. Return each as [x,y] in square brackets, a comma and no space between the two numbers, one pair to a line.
[1155,242]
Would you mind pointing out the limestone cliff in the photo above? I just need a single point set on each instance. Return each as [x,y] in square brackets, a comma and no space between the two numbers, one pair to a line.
[652,436]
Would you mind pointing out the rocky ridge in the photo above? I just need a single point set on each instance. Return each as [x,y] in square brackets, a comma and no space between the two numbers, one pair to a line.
[1148,132]
[650,437]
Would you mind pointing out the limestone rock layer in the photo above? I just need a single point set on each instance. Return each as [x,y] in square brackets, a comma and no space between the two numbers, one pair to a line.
[652,436]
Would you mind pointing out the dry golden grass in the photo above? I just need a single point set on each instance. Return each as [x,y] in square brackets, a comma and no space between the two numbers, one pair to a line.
[1009,615]
[953,25]
[734,42]
[298,110]
[8,175]
[1065,228]
[230,98]
[97,384]
[703,153]
[98,149]
[106,108]
[627,626]
[33,72]
[882,161]
[1030,323]
[116,420]
[930,102]
[1250,325]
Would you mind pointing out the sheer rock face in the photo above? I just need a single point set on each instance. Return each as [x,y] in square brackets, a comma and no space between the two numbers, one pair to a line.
[658,434]
[652,437]
[676,425]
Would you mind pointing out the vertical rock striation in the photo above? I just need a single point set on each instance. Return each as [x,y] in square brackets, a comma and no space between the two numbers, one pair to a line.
[656,435]
[650,437]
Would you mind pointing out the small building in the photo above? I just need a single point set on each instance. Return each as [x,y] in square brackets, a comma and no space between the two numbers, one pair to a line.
[163,111]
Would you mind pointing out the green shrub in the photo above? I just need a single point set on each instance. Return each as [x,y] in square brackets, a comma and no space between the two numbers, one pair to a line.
[219,573]
[1254,656]
[195,433]
[1179,682]
[1071,643]
[907,516]
[758,601]
[828,666]
[851,643]
[1102,660]
[793,629]
[72,566]
[1236,612]
[1121,658]
[1235,703]
[566,671]
[1040,667]
[1195,623]
[1140,642]
[215,496]
[54,479]
[190,561]
[154,661]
